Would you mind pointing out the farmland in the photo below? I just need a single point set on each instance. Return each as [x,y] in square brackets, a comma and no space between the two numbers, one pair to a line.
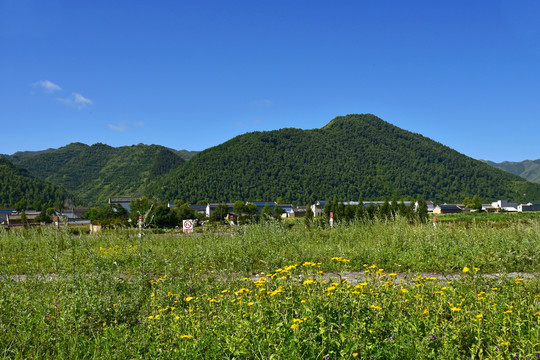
[463,289]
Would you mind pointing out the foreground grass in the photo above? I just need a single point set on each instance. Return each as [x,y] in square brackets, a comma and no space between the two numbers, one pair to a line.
[114,295]
[396,246]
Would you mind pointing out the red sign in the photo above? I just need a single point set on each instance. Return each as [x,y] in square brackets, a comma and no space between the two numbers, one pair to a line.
[188,226]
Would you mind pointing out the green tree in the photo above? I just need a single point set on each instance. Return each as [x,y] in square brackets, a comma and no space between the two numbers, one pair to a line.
[184,212]
[394,206]
[308,218]
[163,217]
[277,212]
[385,212]
[421,210]
[142,207]
[91,214]
[20,205]
[360,211]
[473,203]
[250,209]
[23,218]
[239,208]
[266,212]
[111,211]
[403,210]
[219,212]
[45,216]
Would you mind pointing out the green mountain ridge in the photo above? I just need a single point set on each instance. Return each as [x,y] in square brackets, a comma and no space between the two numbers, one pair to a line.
[527,169]
[95,173]
[352,156]
[17,183]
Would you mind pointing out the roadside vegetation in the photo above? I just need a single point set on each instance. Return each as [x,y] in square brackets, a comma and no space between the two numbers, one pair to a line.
[276,290]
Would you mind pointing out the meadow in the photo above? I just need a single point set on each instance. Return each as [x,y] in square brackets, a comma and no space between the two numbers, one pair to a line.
[274,291]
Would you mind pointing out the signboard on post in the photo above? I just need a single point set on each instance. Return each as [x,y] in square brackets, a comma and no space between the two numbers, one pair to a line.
[187,225]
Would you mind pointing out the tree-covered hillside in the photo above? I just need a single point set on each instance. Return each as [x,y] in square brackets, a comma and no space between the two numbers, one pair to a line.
[18,184]
[95,173]
[351,156]
[528,169]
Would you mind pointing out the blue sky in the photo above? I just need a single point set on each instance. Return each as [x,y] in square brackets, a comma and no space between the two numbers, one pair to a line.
[193,74]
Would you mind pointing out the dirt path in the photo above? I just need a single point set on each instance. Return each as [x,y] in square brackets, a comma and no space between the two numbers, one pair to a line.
[351,276]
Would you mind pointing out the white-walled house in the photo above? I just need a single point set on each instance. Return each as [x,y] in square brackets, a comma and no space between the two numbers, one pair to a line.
[505,205]
[528,207]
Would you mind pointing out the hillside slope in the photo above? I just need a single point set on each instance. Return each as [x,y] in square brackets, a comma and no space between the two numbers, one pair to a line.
[17,184]
[95,173]
[351,156]
[528,169]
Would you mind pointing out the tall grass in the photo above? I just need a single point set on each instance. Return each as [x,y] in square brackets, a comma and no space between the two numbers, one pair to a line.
[396,246]
[115,295]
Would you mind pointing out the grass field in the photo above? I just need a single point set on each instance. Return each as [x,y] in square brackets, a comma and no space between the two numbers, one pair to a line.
[273,291]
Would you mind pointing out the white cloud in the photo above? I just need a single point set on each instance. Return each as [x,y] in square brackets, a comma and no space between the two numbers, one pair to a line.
[125,125]
[75,100]
[47,86]
[79,99]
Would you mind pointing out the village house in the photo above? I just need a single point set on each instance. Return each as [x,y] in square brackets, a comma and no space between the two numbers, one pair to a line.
[74,212]
[211,207]
[299,211]
[14,218]
[124,201]
[449,209]
[505,205]
[201,209]
[528,207]
[3,215]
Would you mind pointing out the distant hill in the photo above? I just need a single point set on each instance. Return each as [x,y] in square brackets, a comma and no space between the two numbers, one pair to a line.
[528,169]
[95,173]
[21,154]
[17,184]
[351,156]
[186,154]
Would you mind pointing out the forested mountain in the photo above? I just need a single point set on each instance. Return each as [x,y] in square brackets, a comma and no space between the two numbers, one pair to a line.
[95,173]
[351,156]
[17,184]
[528,169]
